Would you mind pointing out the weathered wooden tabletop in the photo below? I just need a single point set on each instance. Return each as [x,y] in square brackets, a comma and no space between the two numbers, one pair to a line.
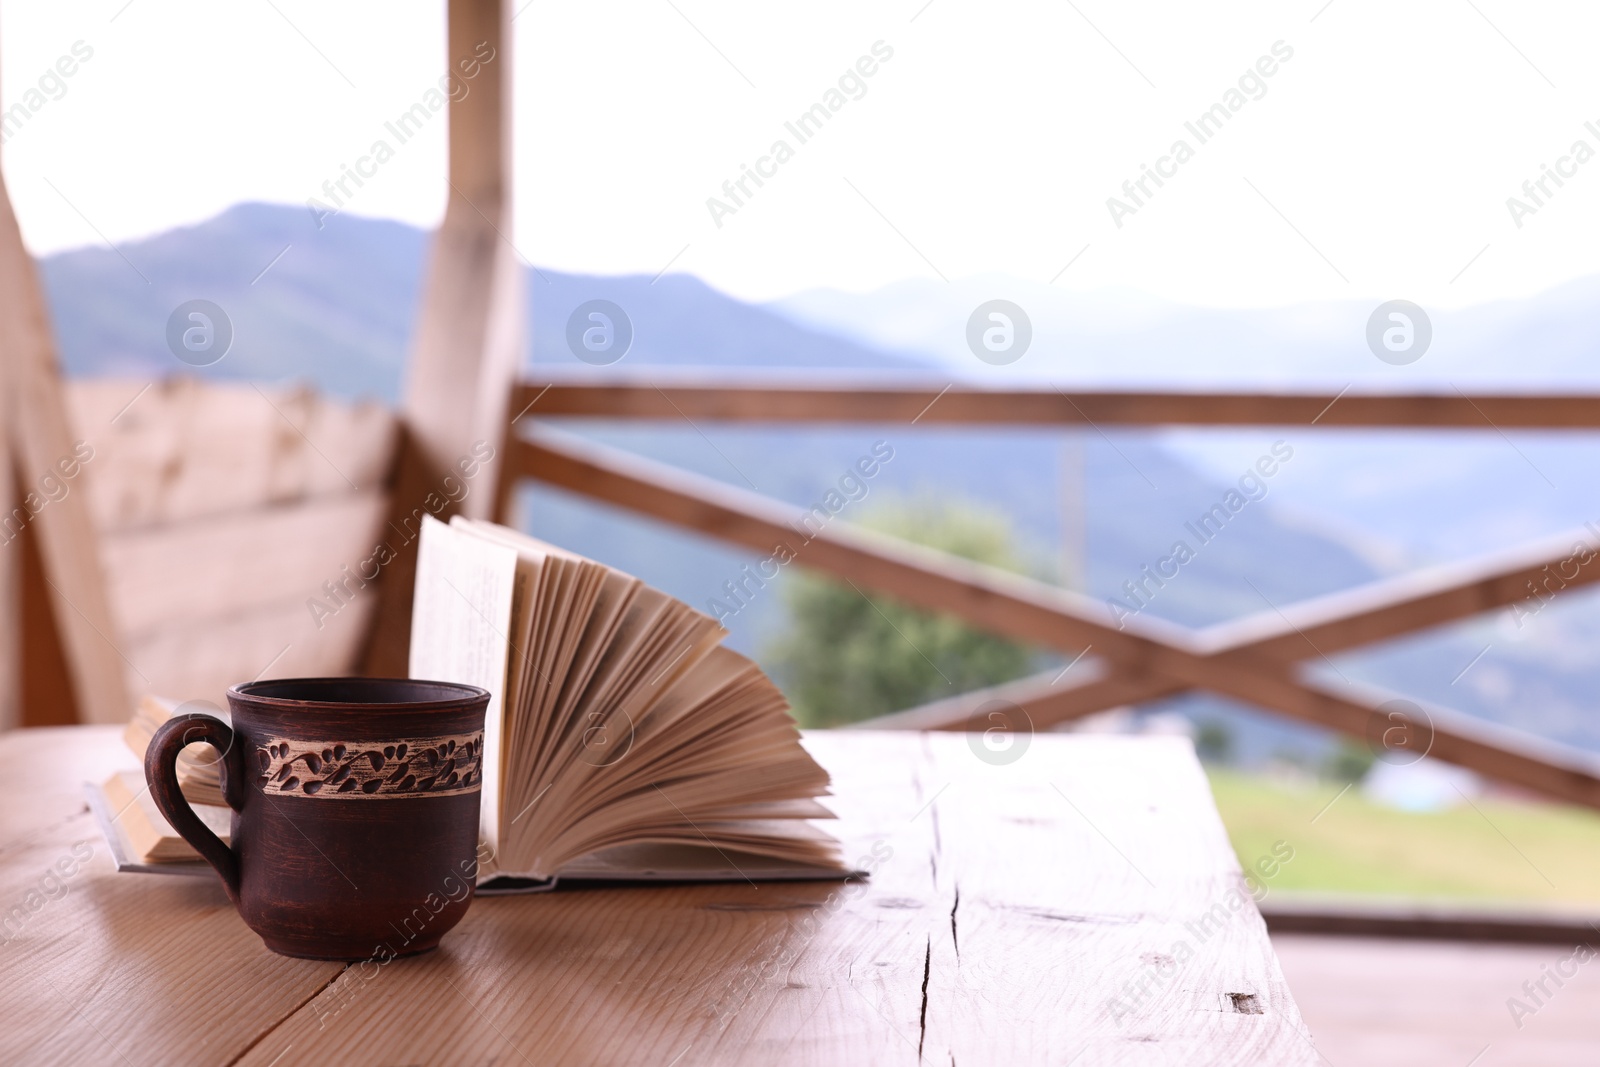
[1079,905]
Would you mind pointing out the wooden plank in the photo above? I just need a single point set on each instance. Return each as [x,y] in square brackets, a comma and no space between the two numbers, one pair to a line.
[47,696]
[232,564]
[1188,978]
[180,449]
[1004,923]
[199,659]
[12,591]
[54,786]
[671,397]
[1048,698]
[1523,578]
[44,449]
[109,968]
[469,336]
[1034,612]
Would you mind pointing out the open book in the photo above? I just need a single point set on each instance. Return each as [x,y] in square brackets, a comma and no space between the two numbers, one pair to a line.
[622,741]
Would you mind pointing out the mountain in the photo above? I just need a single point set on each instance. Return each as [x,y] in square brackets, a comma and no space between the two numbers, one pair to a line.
[335,307]
[678,320]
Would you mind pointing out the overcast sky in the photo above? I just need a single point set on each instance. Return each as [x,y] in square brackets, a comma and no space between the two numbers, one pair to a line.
[1376,162]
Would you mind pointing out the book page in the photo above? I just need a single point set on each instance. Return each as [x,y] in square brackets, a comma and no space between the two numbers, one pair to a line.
[698,750]
[152,838]
[461,618]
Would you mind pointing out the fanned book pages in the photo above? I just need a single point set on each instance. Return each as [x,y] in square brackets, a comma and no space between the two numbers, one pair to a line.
[199,776]
[622,740]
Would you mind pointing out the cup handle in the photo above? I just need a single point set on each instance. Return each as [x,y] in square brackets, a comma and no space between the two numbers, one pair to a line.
[161,772]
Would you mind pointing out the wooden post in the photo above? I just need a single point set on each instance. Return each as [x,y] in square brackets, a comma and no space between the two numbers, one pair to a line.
[468,340]
[40,439]
[11,629]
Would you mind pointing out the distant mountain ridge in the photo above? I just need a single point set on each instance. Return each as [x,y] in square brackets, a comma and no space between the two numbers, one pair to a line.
[335,306]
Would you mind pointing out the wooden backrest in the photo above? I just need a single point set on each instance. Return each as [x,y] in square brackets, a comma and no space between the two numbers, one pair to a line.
[234,524]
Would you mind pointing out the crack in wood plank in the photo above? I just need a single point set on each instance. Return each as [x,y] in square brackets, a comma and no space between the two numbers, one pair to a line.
[955,940]
[269,1031]
[922,1025]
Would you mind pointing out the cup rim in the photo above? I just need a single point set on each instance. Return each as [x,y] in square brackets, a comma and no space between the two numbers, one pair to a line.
[453,695]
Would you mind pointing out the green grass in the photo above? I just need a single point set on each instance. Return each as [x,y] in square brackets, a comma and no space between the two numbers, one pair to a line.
[1494,849]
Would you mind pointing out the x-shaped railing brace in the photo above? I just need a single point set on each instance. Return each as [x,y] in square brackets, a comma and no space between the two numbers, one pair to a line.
[1255,660]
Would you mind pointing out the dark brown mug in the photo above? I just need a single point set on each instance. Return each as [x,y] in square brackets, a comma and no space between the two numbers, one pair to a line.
[355,810]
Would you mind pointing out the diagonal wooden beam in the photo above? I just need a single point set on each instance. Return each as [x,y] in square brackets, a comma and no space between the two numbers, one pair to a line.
[1524,579]
[1091,685]
[1033,612]
[43,445]
[673,397]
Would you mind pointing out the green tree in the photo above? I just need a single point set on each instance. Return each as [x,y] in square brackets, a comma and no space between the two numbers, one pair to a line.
[1213,740]
[1349,762]
[853,654]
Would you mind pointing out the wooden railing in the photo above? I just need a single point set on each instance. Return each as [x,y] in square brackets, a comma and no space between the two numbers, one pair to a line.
[1256,659]
[676,397]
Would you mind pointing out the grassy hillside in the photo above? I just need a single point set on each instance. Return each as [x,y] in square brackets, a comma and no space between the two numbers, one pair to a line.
[1489,850]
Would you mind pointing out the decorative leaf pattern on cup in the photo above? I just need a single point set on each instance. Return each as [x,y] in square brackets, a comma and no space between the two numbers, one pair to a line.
[432,766]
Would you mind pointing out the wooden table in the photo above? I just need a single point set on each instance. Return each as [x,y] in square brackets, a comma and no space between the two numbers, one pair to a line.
[1052,910]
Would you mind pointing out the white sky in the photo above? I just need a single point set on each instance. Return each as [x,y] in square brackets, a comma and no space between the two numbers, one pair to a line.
[990,141]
